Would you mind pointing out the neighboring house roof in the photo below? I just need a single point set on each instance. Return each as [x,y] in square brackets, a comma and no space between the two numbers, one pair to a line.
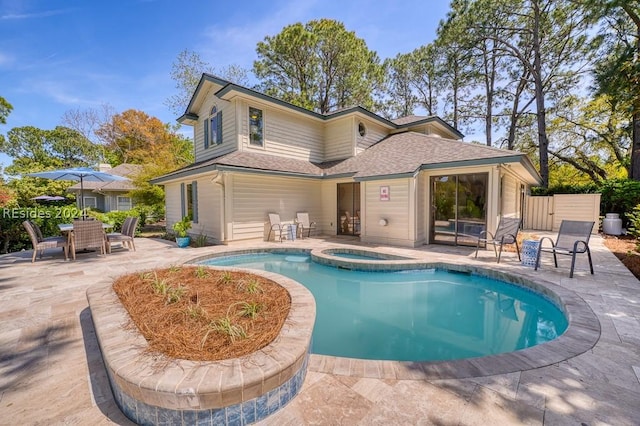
[124,170]
[229,89]
[397,155]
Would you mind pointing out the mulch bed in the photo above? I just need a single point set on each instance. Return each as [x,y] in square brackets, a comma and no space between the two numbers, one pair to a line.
[624,247]
[200,314]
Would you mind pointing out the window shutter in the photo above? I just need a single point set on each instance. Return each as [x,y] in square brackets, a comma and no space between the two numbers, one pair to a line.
[183,202]
[206,133]
[219,128]
[194,198]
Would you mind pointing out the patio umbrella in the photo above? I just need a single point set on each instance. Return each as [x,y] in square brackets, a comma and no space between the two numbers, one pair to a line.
[78,174]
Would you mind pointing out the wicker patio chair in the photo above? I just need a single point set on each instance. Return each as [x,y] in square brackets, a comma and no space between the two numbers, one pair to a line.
[40,243]
[507,233]
[573,238]
[126,237]
[88,234]
[304,223]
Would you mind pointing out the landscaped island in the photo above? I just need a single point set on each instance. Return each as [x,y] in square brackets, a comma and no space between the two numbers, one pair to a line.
[239,343]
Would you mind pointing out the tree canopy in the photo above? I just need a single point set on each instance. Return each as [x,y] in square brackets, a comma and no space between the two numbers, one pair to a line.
[137,138]
[319,66]
[186,72]
[5,109]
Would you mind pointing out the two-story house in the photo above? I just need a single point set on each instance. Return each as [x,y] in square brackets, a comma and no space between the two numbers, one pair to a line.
[408,182]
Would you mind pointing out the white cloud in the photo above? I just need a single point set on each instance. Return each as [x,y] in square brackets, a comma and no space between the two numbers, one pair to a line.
[5,59]
[33,15]
[235,44]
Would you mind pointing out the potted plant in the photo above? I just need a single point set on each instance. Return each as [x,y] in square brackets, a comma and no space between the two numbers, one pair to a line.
[181,228]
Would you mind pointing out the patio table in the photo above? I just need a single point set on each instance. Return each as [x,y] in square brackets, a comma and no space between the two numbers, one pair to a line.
[68,227]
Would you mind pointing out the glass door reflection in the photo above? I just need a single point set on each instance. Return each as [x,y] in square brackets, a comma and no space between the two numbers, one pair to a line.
[459,211]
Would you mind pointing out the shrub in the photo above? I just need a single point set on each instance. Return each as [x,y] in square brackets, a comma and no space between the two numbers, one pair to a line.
[619,196]
[116,218]
[182,227]
[633,219]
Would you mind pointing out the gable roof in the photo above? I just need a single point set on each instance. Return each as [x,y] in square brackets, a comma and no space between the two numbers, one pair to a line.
[228,90]
[398,155]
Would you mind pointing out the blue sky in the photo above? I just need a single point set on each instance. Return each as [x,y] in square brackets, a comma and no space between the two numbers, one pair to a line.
[60,55]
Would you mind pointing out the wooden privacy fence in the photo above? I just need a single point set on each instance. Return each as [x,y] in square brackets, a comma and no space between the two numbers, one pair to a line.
[544,213]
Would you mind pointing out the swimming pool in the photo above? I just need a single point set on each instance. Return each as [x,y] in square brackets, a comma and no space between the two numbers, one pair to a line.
[416,315]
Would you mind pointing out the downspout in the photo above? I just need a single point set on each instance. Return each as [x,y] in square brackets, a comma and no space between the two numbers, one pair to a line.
[218,179]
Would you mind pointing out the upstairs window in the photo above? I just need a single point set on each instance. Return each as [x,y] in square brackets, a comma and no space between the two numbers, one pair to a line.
[213,128]
[256,127]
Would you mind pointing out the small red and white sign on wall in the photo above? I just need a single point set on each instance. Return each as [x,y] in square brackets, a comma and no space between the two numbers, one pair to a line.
[384,193]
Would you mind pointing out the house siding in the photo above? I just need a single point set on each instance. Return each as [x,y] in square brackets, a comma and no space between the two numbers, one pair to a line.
[422,208]
[229,140]
[397,211]
[285,135]
[254,196]
[173,212]
[375,133]
[509,196]
[339,143]
[210,210]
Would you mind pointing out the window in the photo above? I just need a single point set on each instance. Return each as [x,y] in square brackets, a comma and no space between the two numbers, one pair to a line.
[213,128]
[124,204]
[361,129]
[189,200]
[189,195]
[256,132]
[90,202]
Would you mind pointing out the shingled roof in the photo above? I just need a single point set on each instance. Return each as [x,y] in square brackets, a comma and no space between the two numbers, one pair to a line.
[406,153]
[400,121]
[248,160]
[399,154]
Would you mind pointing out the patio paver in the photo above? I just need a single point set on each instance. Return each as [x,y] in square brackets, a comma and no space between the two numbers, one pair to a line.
[51,369]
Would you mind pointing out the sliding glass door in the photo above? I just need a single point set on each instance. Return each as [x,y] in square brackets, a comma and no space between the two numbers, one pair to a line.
[349,208]
[458,208]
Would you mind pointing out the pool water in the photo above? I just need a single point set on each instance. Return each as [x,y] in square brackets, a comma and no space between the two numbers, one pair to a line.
[419,315]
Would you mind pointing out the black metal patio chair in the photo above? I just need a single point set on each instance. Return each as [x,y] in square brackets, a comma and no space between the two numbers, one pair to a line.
[507,233]
[573,238]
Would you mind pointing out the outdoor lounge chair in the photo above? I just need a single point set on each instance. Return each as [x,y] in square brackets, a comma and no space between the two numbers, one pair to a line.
[126,237]
[88,234]
[276,227]
[40,243]
[507,233]
[302,219]
[573,238]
